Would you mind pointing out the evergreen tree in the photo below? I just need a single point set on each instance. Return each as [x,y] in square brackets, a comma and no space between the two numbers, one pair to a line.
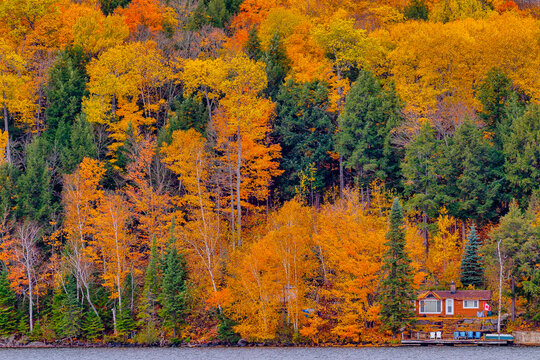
[472,269]
[34,188]
[92,327]
[67,311]
[253,45]
[65,90]
[493,94]
[519,239]
[9,175]
[81,144]
[305,132]
[397,295]
[473,175]
[365,132]
[422,171]
[8,313]
[108,6]
[147,305]
[188,113]
[174,289]
[417,10]
[522,153]
[277,65]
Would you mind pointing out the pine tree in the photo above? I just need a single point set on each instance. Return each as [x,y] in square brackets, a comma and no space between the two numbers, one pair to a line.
[173,288]
[397,295]
[8,313]
[67,311]
[277,65]
[417,10]
[472,269]
[81,144]
[253,45]
[92,327]
[66,88]
[366,124]
[34,189]
[148,303]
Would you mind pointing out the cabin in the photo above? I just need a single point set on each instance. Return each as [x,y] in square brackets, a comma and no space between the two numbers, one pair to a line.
[452,303]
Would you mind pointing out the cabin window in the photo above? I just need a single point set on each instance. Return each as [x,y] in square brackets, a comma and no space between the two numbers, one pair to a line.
[430,306]
[470,304]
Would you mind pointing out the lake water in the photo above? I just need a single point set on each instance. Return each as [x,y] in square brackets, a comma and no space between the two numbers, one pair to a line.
[382,353]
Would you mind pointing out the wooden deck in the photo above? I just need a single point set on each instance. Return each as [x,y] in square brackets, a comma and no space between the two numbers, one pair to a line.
[455,342]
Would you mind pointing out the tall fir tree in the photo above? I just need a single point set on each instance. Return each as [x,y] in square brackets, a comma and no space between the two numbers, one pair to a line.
[67,311]
[8,312]
[81,144]
[397,294]
[277,65]
[65,90]
[365,130]
[472,269]
[253,45]
[34,188]
[305,132]
[174,288]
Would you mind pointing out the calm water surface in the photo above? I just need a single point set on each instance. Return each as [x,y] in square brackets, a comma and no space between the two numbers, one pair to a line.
[415,353]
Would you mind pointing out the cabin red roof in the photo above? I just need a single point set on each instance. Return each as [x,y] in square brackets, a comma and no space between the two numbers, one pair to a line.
[458,295]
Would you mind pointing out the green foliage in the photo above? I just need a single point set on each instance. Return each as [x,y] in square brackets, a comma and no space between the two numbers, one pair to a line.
[34,189]
[473,173]
[305,132]
[147,307]
[67,311]
[174,289]
[8,313]
[493,93]
[522,153]
[92,327]
[213,12]
[277,65]
[472,269]
[397,295]
[188,113]
[9,175]
[253,45]
[81,144]
[421,170]
[65,90]
[365,128]
[417,10]
[226,331]
[108,6]
[519,239]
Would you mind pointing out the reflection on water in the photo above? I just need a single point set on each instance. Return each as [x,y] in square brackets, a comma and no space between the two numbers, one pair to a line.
[391,353]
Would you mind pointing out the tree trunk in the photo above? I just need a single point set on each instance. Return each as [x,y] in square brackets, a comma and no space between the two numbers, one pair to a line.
[513,300]
[500,287]
[6,128]
[238,181]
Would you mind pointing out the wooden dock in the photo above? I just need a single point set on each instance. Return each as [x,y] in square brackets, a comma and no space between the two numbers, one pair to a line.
[455,342]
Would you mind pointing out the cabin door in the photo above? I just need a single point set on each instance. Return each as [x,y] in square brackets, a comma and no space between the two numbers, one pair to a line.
[449,306]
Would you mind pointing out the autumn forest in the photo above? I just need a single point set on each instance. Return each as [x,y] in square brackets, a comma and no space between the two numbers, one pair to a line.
[279,171]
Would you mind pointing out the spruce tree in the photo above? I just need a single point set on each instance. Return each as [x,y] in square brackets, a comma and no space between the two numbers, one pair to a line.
[397,295]
[173,289]
[92,327]
[81,144]
[67,311]
[365,131]
[8,313]
[253,45]
[472,269]
[147,305]
[34,188]
[417,10]
[277,65]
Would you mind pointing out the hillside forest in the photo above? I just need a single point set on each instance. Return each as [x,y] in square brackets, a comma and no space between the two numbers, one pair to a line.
[188,171]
